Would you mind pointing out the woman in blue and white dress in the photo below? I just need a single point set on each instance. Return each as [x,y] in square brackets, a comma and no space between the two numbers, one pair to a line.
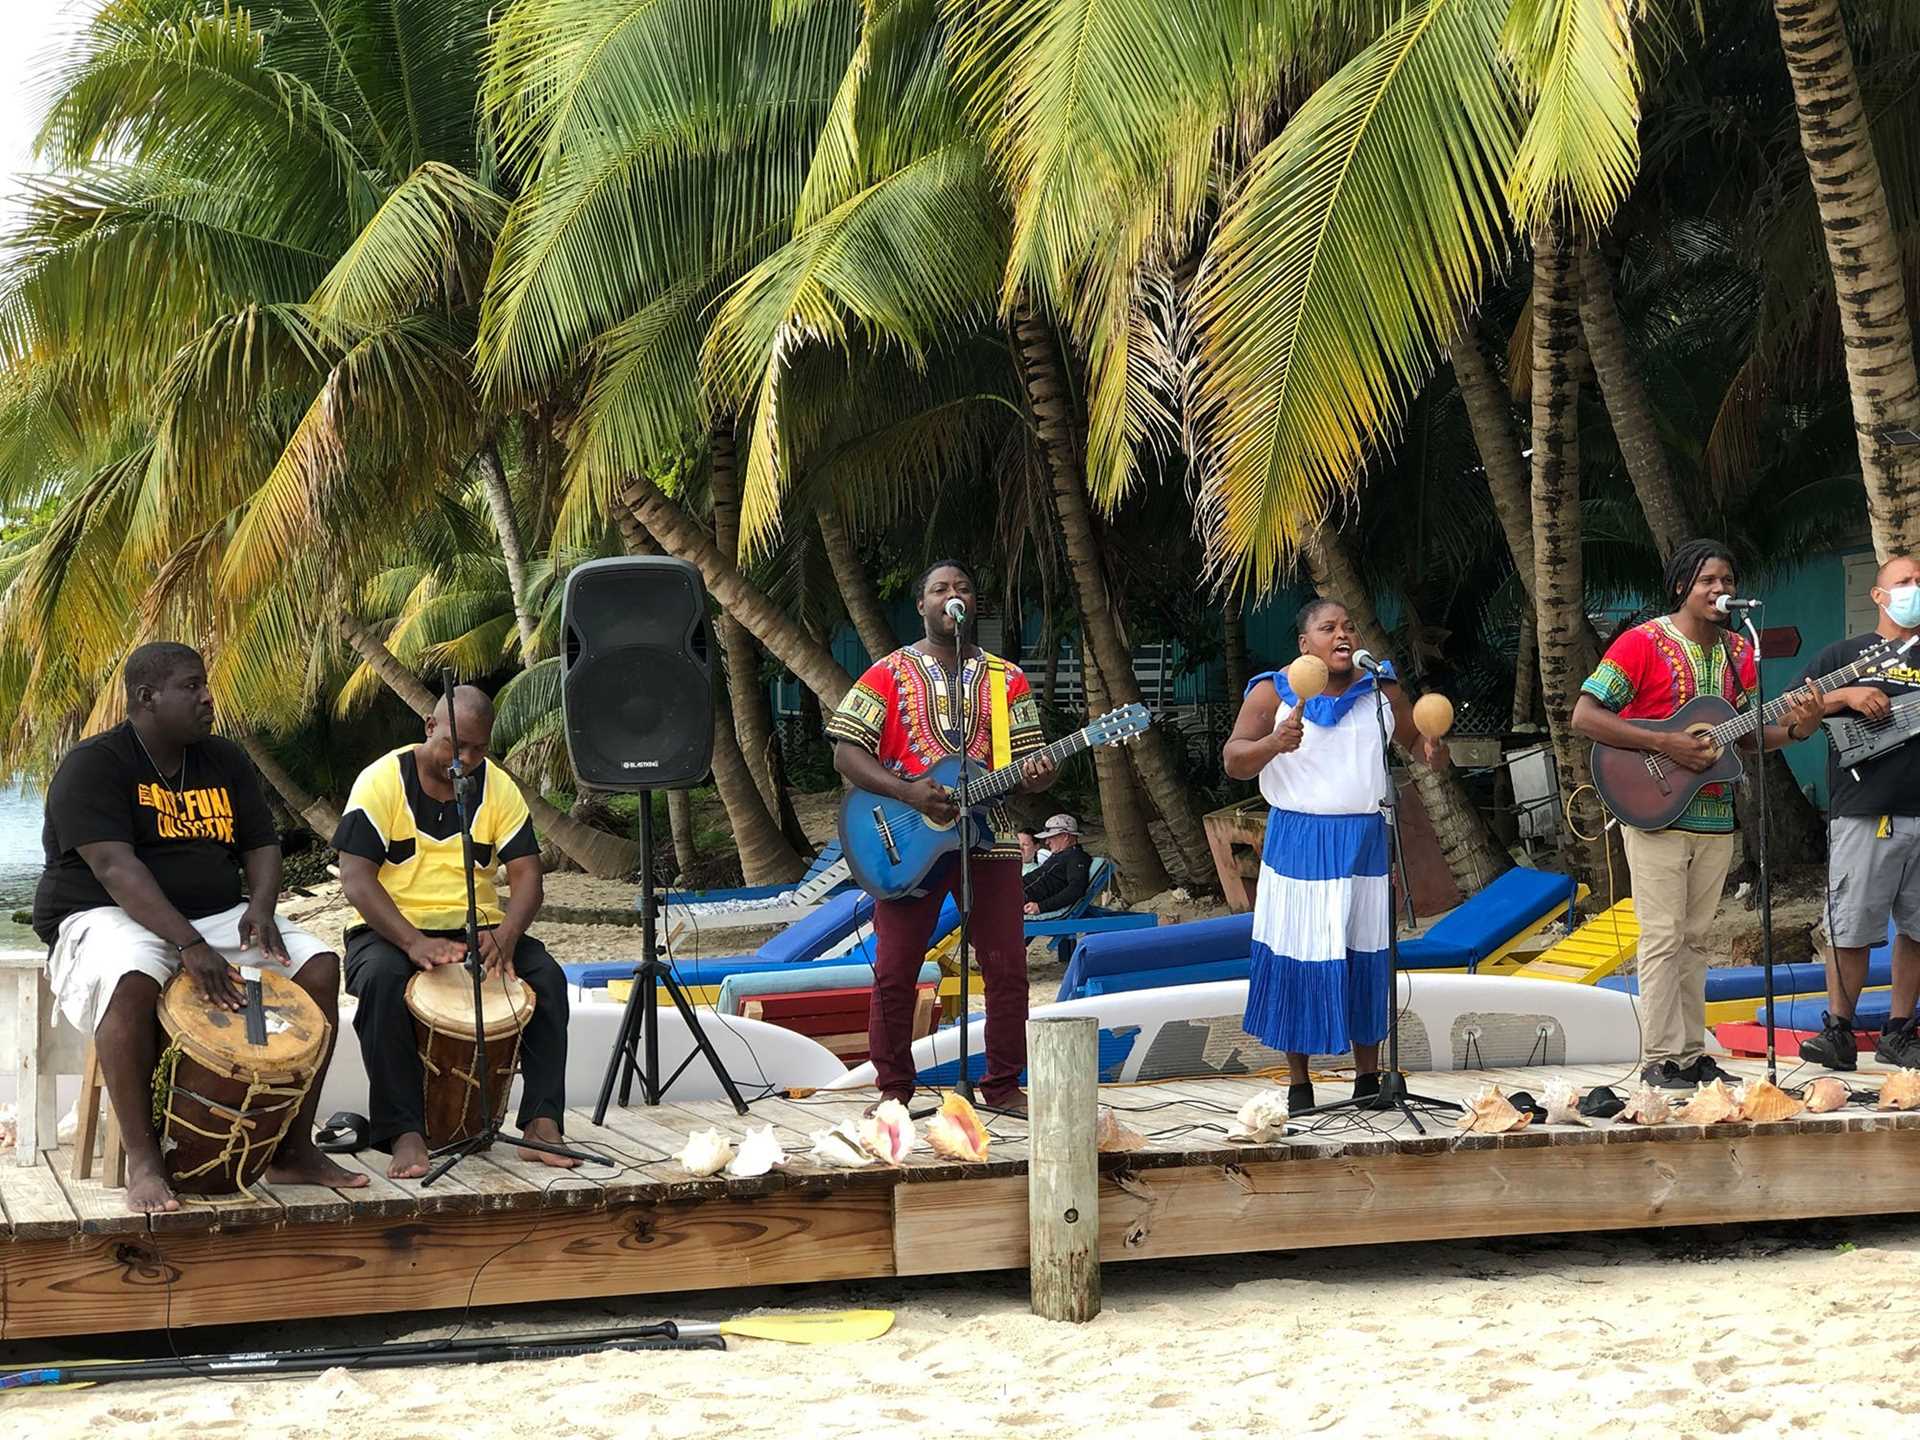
[1320,966]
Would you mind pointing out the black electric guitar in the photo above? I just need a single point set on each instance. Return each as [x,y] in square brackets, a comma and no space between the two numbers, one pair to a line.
[1649,791]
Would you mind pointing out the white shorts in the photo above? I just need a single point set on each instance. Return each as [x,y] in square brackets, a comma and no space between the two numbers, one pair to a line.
[96,947]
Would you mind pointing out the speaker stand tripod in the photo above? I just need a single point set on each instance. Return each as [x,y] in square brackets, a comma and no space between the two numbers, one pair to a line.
[636,1049]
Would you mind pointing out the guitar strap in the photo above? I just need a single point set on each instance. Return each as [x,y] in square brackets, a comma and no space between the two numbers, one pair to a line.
[1000,722]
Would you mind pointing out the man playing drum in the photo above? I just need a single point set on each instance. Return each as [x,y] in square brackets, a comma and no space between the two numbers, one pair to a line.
[150,827]
[403,868]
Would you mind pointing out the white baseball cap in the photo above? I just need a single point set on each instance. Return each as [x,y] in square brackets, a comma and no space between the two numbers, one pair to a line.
[1059,825]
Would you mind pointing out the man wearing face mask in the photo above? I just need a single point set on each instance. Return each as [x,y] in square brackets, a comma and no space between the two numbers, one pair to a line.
[1873,850]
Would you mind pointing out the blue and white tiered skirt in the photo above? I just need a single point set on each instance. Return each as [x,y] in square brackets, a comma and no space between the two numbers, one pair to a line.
[1320,967]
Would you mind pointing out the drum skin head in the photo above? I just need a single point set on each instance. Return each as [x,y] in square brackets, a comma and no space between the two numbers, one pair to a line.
[442,998]
[296,1030]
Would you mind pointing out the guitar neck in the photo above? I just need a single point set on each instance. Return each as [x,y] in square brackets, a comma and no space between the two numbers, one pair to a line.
[1742,725]
[1002,782]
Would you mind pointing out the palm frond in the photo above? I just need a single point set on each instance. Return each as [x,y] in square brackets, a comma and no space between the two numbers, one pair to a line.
[1580,76]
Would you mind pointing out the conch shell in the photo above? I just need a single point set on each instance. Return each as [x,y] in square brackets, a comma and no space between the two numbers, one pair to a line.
[1111,1137]
[1490,1113]
[1762,1100]
[1711,1104]
[706,1153]
[956,1132]
[839,1148]
[888,1133]
[1900,1091]
[759,1152]
[1647,1106]
[1827,1093]
[1261,1119]
[1562,1102]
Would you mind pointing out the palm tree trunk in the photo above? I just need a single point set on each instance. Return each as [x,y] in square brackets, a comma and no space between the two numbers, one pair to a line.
[1559,582]
[686,854]
[493,479]
[319,815]
[1864,254]
[752,714]
[598,852]
[1628,407]
[870,621]
[1472,855]
[1152,755]
[1525,660]
[1233,644]
[1129,836]
[765,856]
[784,638]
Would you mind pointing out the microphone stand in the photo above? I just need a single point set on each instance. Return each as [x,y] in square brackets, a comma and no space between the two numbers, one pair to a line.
[1765,876]
[454,1151]
[961,625]
[1393,1093]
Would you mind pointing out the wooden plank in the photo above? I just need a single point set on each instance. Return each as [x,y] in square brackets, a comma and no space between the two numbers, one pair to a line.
[976,1225]
[214,1212]
[101,1211]
[107,1283]
[313,1204]
[380,1198]
[37,1208]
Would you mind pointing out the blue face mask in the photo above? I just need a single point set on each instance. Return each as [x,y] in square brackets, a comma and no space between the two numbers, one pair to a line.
[1903,606]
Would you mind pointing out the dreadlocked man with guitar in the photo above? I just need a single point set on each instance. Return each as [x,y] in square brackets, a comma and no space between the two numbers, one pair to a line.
[1680,845]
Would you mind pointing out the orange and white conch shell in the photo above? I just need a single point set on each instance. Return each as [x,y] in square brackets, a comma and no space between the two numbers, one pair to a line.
[1490,1113]
[1561,1100]
[1111,1137]
[1900,1091]
[888,1133]
[1647,1106]
[1826,1094]
[956,1132]
[759,1152]
[1762,1100]
[1261,1119]
[706,1153]
[840,1148]
[1711,1104]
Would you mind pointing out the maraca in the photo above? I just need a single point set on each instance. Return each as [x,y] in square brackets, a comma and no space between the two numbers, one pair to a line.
[1433,715]
[1307,676]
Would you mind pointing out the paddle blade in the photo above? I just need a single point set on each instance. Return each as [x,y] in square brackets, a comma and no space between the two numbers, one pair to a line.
[828,1327]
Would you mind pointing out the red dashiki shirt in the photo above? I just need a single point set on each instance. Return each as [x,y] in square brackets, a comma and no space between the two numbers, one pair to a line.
[1651,671]
[902,712]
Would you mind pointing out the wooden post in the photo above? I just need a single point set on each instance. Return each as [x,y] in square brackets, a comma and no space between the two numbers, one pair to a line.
[1063,1171]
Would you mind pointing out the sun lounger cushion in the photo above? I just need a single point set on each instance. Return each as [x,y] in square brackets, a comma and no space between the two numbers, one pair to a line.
[1481,925]
[737,989]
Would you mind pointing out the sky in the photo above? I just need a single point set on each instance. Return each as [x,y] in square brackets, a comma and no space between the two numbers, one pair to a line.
[31,30]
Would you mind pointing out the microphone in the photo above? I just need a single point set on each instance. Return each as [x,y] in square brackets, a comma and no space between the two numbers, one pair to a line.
[1726,604]
[956,610]
[1364,659]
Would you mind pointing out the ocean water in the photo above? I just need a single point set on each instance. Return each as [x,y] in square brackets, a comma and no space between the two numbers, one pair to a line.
[20,817]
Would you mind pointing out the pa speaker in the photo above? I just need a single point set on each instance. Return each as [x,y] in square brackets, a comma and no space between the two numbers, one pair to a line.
[637,691]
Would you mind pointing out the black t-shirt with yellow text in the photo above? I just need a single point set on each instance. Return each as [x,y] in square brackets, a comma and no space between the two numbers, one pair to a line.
[191,837]
[1888,784]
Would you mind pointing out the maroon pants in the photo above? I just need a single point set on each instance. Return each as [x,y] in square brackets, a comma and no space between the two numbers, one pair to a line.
[901,929]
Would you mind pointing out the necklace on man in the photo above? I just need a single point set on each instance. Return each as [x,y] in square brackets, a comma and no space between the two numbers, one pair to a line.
[178,788]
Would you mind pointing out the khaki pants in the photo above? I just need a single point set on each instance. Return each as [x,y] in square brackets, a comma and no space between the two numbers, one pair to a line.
[1677,881]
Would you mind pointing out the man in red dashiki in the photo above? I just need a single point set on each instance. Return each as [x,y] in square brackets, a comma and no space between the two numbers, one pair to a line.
[896,723]
[1648,673]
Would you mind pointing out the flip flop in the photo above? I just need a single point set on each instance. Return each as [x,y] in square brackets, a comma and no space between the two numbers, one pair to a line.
[344,1133]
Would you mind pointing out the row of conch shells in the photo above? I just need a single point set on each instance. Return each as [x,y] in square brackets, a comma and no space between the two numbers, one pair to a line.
[1261,1119]
[1490,1113]
[708,1152]
[956,1132]
[1900,1091]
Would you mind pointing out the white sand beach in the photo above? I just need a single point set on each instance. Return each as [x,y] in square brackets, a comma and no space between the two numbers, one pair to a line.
[1747,1331]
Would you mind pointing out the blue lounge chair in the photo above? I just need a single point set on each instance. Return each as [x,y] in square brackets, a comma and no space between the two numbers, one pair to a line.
[1483,927]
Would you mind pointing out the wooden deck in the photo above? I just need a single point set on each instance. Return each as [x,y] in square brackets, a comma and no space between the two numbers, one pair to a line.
[501,1230]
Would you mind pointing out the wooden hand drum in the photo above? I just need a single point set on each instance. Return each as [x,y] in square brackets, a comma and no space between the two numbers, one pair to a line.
[441,1002]
[221,1106]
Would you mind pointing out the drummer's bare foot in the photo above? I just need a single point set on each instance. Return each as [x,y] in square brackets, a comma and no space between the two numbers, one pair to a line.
[297,1164]
[409,1157]
[545,1129]
[147,1189]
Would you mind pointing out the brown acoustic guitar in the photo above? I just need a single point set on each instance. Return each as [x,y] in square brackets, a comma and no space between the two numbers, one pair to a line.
[1649,791]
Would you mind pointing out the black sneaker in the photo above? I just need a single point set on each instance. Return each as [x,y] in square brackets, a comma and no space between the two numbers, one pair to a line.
[1899,1045]
[1705,1072]
[1665,1075]
[1833,1047]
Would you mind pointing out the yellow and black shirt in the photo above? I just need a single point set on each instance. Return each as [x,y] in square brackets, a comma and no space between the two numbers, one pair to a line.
[415,839]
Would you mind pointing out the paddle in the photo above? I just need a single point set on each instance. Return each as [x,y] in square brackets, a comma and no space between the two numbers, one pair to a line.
[822,1327]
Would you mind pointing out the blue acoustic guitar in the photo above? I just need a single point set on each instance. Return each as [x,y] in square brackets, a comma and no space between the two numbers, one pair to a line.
[890,846]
